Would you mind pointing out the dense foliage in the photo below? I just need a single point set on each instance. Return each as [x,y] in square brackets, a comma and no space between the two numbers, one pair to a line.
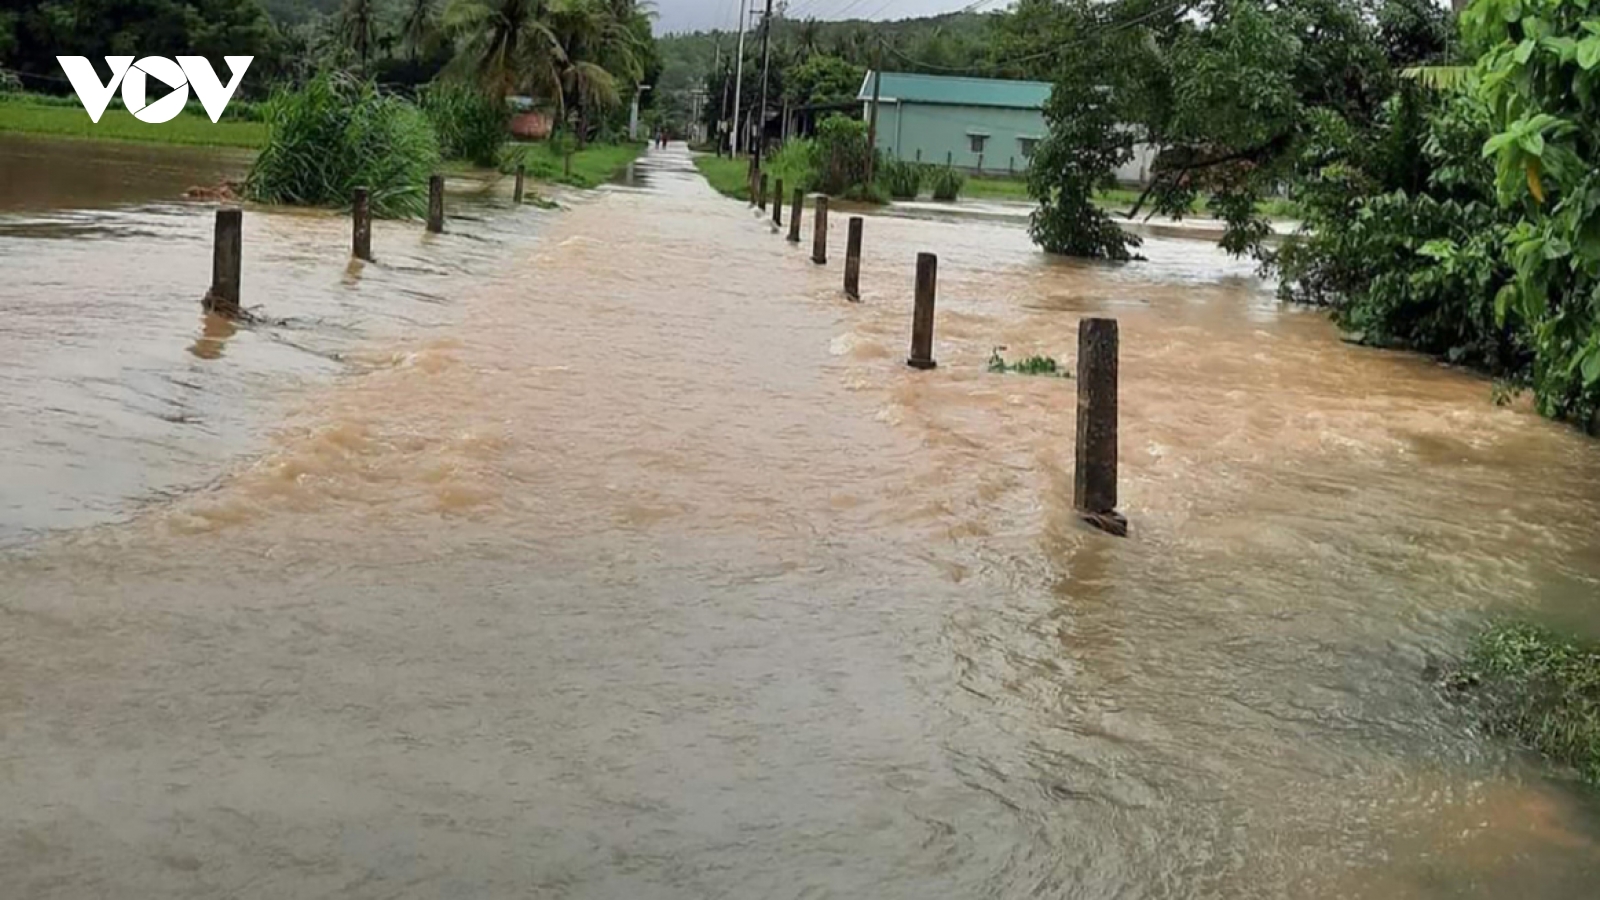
[471,123]
[1229,90]
[32,33]
[842,155]
[1538,77]
[337,134]
[1462,223]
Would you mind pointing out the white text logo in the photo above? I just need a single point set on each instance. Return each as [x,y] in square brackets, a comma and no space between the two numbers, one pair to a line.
[187,72]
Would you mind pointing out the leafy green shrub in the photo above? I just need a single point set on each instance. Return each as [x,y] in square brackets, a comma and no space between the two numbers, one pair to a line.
[1538,74]
[336,134]
[1540,689]
[946,183]
[9,83]
[471,124]
[842,154]
[903,180]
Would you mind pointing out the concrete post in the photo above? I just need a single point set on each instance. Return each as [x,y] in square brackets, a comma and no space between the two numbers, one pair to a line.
[819,230]
[852,260]
[761,193]
[1094,481]
[516,192]
[226,258]
[794,215]
[361,225]
[922,313]
[777,203]
[436,204]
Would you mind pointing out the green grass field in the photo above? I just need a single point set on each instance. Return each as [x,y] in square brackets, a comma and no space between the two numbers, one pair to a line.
[728,176]
[24,115]
[593,165]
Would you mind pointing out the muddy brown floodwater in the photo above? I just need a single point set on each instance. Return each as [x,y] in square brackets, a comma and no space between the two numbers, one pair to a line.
[643,567]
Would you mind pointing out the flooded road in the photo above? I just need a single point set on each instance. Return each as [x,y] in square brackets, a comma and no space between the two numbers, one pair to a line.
[115,390]
[636,563]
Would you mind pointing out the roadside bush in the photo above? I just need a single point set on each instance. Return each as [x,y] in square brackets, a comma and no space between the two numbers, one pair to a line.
[1402,236]
[471,124]
[946,183]
[796,163]
[10,84]
[842,154]
[903,180]
[336,134]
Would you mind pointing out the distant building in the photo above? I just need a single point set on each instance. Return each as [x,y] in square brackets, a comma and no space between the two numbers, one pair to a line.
[985,125]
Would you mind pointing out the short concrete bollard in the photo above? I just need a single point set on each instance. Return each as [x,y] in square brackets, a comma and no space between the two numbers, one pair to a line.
[777,202]
[1094,479]
[794,215]
[819,230]
[922,314]
[761,193]
[227,249]
[361,225]
[436,204]
[852,260]
[516,192]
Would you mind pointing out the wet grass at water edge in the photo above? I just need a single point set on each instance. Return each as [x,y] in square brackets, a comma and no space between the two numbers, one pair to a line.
[1540,689]
[36,116]
[592,166]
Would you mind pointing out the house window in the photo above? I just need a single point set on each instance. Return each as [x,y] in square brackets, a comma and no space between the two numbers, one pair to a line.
[978,141]
[1027,146]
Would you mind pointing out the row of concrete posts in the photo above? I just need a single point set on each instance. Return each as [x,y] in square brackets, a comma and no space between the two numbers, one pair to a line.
[1095,473]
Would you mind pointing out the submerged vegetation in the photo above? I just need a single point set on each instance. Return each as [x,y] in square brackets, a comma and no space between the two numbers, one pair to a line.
[336,134]
[1029,365]
[1539,689]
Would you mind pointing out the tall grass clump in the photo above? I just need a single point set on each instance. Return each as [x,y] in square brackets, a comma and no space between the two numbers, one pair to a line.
[471,124]
[336,134]
[1541,689]
[946,183]
[903,180]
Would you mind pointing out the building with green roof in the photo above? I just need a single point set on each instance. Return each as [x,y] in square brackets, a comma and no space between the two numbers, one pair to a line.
[986,125]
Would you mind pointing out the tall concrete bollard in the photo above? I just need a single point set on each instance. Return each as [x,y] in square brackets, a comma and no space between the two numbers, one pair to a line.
[852,260]
[516,192]
[761,193]
[436,204]
[819,230]
[794,215]
[361,225]
[227,249]
[1094,480]
[777,202]
[922,314]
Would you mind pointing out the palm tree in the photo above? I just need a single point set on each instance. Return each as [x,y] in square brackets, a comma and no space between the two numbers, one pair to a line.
[508,45]
[357,27]
[417,30]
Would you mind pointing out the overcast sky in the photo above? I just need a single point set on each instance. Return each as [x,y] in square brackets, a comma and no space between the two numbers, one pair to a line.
[703,15]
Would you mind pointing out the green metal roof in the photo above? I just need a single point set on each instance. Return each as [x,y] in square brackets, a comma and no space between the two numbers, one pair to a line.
[903,87]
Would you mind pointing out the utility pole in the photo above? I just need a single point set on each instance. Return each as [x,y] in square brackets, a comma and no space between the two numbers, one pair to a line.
[738,78]
[872,116]
[717,67]
[766,59]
